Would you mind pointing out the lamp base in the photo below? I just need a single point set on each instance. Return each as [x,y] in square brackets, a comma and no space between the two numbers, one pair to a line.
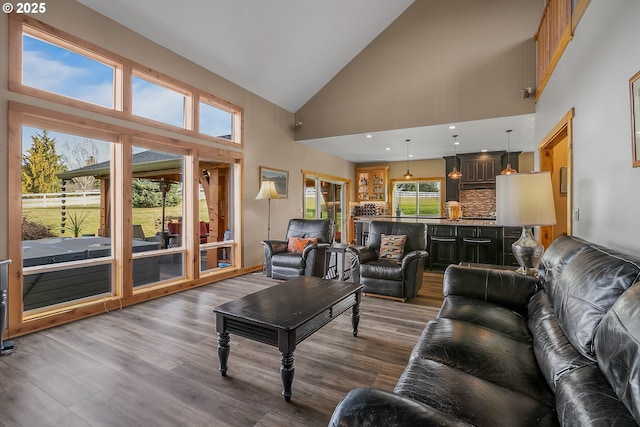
[527,252]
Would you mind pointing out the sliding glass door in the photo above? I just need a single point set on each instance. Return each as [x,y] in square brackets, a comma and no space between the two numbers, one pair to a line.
[325,199]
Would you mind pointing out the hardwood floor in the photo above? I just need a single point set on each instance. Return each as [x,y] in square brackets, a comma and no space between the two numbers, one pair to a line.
[155,364]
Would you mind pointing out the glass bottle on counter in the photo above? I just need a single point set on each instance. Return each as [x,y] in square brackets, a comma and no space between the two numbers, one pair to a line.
[454,210]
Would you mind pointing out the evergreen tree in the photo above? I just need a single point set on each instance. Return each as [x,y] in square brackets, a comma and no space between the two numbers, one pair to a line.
[40,164]
[147,194]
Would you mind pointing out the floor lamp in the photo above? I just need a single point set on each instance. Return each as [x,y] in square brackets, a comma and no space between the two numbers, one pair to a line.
[525,200]
[268,191]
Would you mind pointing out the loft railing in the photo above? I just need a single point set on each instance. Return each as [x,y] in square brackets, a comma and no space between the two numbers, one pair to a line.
[559,20]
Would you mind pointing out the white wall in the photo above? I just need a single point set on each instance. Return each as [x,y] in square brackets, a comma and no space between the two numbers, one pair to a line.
[593,77]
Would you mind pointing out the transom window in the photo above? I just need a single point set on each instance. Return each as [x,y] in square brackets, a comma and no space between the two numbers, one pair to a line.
[69,73]
[62,68]
[215,121]
[158,102]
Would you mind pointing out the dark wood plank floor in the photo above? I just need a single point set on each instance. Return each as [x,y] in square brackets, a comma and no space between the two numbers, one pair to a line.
[155,364]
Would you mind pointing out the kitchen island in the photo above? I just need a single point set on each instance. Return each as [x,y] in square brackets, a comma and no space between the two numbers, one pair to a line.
[499,251]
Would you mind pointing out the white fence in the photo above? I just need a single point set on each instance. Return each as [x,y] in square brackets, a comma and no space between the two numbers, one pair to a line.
[428,194]
[44,200]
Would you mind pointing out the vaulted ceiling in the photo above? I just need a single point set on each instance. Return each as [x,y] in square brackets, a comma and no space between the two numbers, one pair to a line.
[395,70]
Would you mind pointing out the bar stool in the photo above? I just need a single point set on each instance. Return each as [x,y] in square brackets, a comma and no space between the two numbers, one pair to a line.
[477,244]
[435,241]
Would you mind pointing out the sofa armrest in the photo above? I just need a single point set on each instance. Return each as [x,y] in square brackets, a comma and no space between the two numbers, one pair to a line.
[314,247]
[360,255]
[503,287]
[363,253]
[274,246]
[373,407]
[410,256]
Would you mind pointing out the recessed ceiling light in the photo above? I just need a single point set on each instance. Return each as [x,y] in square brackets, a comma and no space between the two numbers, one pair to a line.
[410,155]
[456,143]
[369,136]
[484,151]
[388,149]
[452,127]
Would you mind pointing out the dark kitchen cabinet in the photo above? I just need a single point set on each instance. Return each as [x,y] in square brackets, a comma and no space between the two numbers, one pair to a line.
[442,253]
[491,255]
[480,168]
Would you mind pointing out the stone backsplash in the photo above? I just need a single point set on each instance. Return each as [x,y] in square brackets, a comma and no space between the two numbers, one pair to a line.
[478,203]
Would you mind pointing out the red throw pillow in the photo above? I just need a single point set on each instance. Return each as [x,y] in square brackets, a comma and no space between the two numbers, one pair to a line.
[296,245]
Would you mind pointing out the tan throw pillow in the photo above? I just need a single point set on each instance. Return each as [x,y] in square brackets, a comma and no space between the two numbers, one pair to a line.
[392,247]
[296,245]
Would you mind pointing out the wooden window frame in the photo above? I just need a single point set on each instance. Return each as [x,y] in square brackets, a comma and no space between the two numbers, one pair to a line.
[394,181]
[122,138]
[124,70]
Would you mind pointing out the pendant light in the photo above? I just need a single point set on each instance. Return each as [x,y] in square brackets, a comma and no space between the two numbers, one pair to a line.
[508,170]
[455,173]
[408,174]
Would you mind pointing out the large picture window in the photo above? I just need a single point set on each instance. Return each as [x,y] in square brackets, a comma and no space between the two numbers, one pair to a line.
[421,197]
[112,214]
[64,257]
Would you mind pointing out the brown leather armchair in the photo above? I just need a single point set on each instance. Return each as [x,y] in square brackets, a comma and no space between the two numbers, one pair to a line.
[399,280]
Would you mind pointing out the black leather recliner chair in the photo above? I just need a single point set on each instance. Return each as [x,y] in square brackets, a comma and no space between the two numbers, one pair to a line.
[388,278]
[283,265]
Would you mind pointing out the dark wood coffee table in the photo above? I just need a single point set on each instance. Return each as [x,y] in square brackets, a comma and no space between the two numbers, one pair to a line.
[284,315]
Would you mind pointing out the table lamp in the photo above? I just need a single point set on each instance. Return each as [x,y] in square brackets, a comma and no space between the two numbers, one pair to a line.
[268,191]
[525,200]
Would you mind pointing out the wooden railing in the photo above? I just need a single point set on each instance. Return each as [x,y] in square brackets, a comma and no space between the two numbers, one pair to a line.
[552,38]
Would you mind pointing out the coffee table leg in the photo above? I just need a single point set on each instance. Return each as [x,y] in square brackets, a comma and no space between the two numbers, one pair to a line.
[355,318]
[223,351]
[286,372]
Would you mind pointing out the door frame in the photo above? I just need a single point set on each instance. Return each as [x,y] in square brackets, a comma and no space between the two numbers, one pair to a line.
[345,199]
[563,129]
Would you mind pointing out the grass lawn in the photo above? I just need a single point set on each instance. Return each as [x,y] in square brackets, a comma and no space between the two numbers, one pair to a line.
[149,218]
[428,206]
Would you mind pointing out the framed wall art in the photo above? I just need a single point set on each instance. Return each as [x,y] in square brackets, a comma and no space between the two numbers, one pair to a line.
[280,179]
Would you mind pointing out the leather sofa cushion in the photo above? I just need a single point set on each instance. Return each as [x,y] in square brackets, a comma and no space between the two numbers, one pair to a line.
[367,406]
[415,232]
[485,354]
[469,398]
[586,289]
[382,269]
[392,288]
[506,288]
[617,345]
[318,228]
[288,259]
[585,398]
[556,257]
[555,354]
[486,314]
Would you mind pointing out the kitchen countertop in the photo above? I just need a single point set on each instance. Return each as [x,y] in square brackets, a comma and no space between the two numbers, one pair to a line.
[432,221]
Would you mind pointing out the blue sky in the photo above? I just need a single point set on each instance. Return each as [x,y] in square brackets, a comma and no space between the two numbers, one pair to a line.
[61,71]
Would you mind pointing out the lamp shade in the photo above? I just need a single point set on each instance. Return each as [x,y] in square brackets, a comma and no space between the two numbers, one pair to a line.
[267,191]
[525,200]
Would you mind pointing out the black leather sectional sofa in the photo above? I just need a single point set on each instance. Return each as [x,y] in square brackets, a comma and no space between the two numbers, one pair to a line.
[507,350]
